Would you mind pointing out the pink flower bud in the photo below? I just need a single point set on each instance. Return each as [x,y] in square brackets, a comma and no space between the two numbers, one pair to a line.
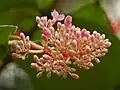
[47,32]
[59,25]
[41,24]
[48,50]
[61,56]
[34,65]
[95,33]
[73,28]
[57,42]
[49,23]
[44,37]
[47,57]
[103,36]
[87,33]
[75,76]
[72,69]
[44,19]
[83,32]
[68,21]
[78,33]
[67,36]
[107,44]
[90,65]
[41,59]
[14,55]
[52,30]
[98,35]
[56,35]
[101,42]
[27,38]
[104,50]
[35,57]
[22,35]
[74,43]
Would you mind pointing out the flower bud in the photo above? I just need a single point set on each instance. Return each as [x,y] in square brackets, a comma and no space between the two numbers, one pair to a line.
[78,33]
[44,37]
[84,32]
[75,76]
[90,65]
[68,21]
[37,19]
[97,60]
[35,57]
[46,57]
[47,32]
[44,19]
[74,43]
[59,25]
[107,44]
[67,36]
[57,42]
[34,65]
[39,75]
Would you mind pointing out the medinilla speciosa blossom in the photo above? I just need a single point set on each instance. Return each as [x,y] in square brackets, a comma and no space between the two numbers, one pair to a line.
[64,47]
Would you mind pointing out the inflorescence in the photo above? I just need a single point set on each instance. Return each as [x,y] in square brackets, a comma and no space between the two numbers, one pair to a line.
[64,47]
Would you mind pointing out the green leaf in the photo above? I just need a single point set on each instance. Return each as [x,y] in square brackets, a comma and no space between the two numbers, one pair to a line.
[90,13]
[5,31]
[21,13]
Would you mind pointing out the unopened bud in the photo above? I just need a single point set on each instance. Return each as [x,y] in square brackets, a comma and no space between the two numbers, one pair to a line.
[34,65]
[68,21]
[38,19]
[35,57]
[47,57]
[59,25]
[83,32]
[75,76]
[39,75]
[44,37]
[74,43]
[47,32]
[67,36]
[97,60]
[57,42]
[78,33]
[90,65]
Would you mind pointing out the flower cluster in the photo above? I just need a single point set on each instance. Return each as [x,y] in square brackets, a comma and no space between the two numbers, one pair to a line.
[20,48]
[64,47]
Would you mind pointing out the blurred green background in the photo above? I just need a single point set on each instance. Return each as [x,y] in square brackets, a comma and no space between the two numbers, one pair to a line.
[86,14]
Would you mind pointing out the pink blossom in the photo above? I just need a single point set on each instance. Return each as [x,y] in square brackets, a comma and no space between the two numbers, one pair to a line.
[63,47]
[69,45]
[57,16]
